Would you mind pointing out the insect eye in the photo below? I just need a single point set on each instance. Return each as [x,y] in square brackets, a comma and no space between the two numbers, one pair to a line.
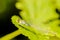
[22,22]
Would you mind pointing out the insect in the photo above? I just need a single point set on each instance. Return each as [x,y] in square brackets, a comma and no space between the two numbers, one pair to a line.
[36,14]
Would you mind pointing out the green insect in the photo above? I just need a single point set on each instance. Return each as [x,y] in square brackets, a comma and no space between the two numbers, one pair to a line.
[40,15]
[39,19]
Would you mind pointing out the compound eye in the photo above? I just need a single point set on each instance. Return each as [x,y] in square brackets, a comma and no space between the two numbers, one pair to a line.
[22,22]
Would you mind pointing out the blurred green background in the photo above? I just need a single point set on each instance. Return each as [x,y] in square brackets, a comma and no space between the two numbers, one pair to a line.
[5,7]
